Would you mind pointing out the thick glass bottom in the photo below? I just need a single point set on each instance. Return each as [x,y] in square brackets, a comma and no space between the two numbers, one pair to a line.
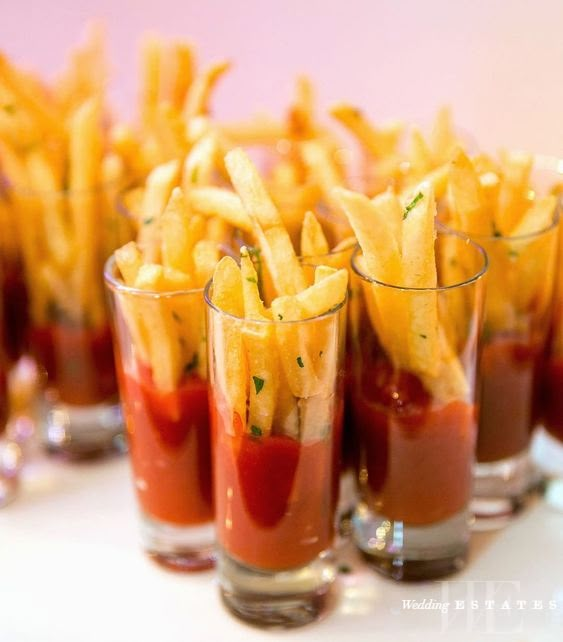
[346,502]
[501,489]
[411,553]
[179,548]
[283,599]
[10,466]
[81,432]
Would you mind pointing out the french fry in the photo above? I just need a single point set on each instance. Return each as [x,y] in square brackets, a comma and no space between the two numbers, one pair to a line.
[151,55]
[274,241]
[85,157]
[313,240]
[379,143]
[44,183]
[253,304]
[300,117]
[182,73]
[198,96]
[322,169]
[261,130]
[443,138]
[419,271]
[205,258]
[227,296]
[513,196]
[217,201]
[466,197]
[129,260]
[200,164]
[159,185]
[179,233]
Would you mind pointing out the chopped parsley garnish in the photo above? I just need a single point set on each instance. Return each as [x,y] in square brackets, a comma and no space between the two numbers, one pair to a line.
[148,221]
[321,353]
[256,431]
[280,317]
[9,108]
[195,174]
[513,254]
[423,336]
[344,569]
[193,364]
[496,231]
[412,204]
[300,362]
[258,384]
[176,316]
[251,279]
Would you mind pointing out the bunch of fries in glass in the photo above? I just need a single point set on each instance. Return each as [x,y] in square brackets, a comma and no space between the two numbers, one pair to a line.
[506,206]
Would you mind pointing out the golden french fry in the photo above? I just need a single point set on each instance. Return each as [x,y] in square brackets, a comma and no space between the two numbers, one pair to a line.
[443,138]
[159,185]
[261,130]
[466,198]
[182,73]
[205,258]
[85,156]
[263,369]
[513,198]
[216,201]
[198,96]
[253,304]
[420,155]
[300,117]
[313,240]
[201,163]
[322,168]
[151,56]
[419,271]
[44,183]
[274,241]
[179,233]
[129,260]
[379,143]
[226,334]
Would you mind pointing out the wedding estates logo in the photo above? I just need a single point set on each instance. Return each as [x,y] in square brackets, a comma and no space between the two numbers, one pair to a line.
[485,606]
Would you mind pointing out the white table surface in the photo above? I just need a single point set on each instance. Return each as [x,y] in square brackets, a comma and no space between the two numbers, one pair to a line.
[71,570]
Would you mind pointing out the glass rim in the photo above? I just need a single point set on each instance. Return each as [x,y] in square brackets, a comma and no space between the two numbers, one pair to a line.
[492,238]
[439,288]
[281,322]
[115,285]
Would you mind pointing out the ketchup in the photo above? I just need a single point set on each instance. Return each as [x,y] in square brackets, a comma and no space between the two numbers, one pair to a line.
[509,376]
[169,441]
[414,458]
[275,496]
[78,361]
[552,396]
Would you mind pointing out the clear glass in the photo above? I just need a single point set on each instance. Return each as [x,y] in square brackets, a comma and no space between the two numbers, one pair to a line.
[549,445]
[347,494]
[162,370]
[516,325]
[414,358]
[276,411]
[65,237]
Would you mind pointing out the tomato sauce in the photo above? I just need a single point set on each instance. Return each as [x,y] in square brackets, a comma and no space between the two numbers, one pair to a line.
[414,459]
[509,376]
[3,397]
[78,361]
[275,496]
[13,298]
[169,439]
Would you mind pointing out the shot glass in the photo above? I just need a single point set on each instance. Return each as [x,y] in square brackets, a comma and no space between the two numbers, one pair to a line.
[516,325]
[161,359]
[414,410]
[65,237]
[276,391]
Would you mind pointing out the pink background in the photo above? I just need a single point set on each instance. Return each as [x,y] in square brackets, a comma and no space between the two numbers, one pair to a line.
[498,63]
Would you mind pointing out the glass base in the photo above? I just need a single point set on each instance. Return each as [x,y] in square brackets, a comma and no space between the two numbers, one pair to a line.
[81,432]
[411,553]
[283,599]
[10,466]
[347,501]
[501,489]
[179,548]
